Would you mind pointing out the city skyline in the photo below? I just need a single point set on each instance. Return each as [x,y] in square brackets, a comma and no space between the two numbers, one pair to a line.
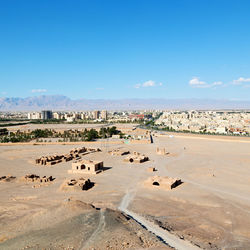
[117,50]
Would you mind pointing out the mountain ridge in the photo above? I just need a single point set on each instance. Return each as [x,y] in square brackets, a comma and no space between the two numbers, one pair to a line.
[61,102]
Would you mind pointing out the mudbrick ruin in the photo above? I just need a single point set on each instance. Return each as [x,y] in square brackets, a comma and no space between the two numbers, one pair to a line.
[119,152]
[37,178]
[73,154]
[151,169]
[86,167]
[161,151]
[163,182]
[77,184]
[7,178]
[136,158]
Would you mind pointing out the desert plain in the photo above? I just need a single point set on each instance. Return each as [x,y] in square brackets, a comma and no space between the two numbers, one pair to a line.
[209,210]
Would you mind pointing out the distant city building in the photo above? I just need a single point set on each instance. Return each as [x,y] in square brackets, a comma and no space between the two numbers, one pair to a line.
[47,114]
[57,115]
[136,117]
[197,121]
[83,116]
[96,114]
[34,115]
[104,115]
[213,122]
[70,119]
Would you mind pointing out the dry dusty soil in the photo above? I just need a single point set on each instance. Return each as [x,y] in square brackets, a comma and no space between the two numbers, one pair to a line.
[211,209]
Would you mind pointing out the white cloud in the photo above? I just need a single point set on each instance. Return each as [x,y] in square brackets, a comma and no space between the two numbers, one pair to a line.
[146,84]
[149,83]
[38,90]
[99,88]
[195,82]
[241,80]
[217,83]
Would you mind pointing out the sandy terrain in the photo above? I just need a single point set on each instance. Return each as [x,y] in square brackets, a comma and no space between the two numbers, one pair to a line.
[205,137]
[65,126]
[211,209]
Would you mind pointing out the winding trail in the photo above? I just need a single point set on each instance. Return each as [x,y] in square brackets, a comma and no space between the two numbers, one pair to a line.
[164,235]
[99,229]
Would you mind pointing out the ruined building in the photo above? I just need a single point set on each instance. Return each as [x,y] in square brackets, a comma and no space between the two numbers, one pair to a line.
[152,169]
[163,182]
[81,183]
[118,152]
[161,151]
[136,158]
[86,167]
[50,160]
[37,178]
[7,178]
[78,150]
[73,154]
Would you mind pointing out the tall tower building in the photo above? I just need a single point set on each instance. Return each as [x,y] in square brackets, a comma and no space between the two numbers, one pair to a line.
[47,114]
[96,114]
[104,114]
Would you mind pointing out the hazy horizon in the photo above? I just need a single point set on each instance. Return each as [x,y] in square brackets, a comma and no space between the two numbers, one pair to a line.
[63,103]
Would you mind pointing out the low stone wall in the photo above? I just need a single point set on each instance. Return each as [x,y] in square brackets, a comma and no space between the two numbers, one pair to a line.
[60,143]
[140,142]
[76,143]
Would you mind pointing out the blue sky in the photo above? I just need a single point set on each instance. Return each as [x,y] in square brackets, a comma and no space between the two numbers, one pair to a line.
[125,49]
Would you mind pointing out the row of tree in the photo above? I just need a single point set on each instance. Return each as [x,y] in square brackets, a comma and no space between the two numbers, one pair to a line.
[67,135]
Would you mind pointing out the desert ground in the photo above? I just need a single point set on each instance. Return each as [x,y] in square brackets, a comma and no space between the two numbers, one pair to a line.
[65,126]
[209,210]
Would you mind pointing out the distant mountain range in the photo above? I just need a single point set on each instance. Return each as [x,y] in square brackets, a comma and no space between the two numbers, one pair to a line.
[59,103]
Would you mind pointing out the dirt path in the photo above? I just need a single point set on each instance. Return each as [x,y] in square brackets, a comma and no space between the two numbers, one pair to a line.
[127,198]
[165,236]
[101,225]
